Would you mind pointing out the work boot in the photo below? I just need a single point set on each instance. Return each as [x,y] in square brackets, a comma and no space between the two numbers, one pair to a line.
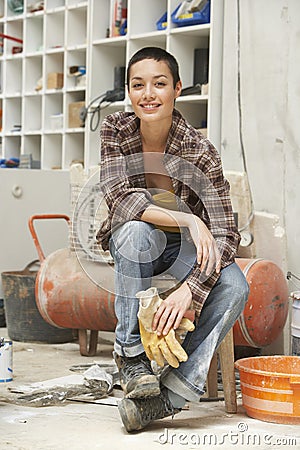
[136,377]
[138,413]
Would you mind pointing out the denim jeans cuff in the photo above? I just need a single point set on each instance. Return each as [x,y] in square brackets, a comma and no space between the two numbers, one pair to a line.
[181,386]
[129,351]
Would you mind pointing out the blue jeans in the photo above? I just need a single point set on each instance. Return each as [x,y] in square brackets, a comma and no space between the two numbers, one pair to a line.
[141,252]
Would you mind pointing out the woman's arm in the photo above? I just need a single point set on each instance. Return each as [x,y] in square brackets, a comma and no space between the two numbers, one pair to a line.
[173,308]
[125,200]
[208,256]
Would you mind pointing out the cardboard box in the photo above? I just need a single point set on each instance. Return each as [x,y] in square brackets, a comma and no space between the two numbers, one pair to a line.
[74,111]
[55,80]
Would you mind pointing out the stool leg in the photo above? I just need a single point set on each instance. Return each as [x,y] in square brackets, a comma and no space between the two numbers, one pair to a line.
[226,355]
[212,378]
[86,350]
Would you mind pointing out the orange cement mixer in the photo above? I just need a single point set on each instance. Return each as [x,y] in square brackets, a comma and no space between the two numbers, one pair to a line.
[79,294]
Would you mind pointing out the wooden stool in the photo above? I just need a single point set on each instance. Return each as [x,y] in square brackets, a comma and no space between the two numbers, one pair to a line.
[226,357]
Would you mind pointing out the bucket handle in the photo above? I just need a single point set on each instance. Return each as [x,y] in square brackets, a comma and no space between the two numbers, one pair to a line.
[29,265]
[33,232]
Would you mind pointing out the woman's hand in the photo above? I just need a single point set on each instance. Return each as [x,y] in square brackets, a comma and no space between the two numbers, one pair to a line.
[208,255]
[172,310]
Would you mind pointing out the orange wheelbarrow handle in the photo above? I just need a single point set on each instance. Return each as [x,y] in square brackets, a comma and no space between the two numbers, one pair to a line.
[33,232]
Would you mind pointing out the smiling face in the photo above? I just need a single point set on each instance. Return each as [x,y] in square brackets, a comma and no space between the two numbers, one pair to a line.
[151,90]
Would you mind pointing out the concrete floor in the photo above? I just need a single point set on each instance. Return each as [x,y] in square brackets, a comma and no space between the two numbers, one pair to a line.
[77,425]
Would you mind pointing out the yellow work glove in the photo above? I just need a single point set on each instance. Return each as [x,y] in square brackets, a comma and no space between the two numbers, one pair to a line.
[160,348]
[184,326]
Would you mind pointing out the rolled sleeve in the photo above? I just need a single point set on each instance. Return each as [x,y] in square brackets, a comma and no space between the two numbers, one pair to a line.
[125,200]
[216,212]
[200,287]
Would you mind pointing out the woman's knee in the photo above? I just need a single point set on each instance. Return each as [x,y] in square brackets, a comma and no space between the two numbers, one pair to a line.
[241,284]
[234,285]
[131,238]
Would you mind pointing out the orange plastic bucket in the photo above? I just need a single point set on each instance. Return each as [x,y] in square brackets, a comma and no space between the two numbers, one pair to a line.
[270,388]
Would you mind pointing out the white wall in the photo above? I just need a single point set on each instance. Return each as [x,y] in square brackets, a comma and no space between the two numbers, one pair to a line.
[267,113]
[270,108]
[42,192]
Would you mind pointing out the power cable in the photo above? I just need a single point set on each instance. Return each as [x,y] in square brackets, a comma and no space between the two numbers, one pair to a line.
[251,215]
[109,97]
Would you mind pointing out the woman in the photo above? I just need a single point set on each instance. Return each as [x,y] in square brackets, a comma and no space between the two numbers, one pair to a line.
[169,211]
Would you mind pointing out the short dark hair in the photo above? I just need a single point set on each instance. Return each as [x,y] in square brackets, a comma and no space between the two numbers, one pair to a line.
[158,54]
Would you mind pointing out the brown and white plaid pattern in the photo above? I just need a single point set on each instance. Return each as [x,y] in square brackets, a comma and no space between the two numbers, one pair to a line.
[195,169]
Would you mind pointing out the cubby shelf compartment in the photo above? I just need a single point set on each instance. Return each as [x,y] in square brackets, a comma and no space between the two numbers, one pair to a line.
[52,151]
[11,146]
[32,146]
[33,68]
[32,113]
[34,27]
[77,26]
[74,33]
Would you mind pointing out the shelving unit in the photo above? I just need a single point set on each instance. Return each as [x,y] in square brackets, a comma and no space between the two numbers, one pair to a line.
[73,32]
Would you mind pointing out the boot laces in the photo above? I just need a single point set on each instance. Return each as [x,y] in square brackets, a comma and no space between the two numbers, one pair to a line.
[157,408]
[136,366]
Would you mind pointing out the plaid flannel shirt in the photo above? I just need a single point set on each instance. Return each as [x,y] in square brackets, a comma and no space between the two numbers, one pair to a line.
[195,169]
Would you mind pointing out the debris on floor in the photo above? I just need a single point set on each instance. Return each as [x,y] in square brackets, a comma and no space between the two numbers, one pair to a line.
[93,384]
